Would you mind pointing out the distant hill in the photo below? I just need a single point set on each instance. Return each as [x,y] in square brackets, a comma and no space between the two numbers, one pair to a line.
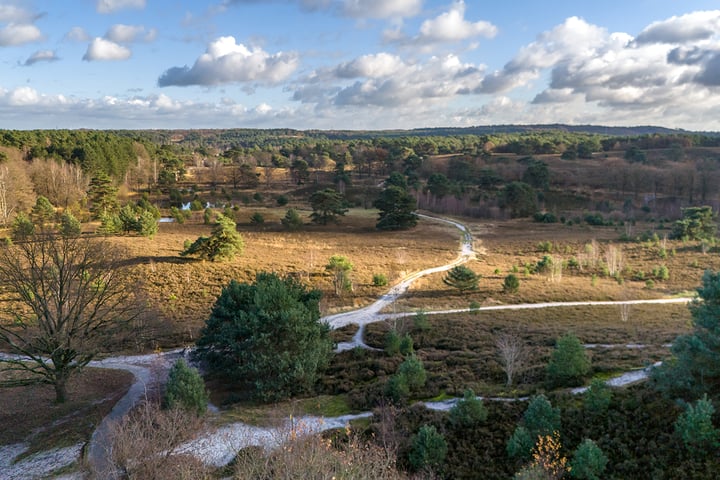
[508,129]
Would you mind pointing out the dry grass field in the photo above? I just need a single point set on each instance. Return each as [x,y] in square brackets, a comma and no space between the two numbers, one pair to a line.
[30,414]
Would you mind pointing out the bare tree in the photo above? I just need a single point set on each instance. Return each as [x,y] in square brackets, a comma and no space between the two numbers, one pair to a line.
[614,259]
[15,191]
[62,183]
[145,444]
[513,354]
[64,298]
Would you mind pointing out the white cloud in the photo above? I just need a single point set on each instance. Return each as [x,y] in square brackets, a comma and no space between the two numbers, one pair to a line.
[102,49]
[371,66]
[451,26]
[226,61]
[77,34]
[41,56]
[112,6]
[13,14]
[381,8]
[18,34]
[120,33]
[682,29]
[385,80]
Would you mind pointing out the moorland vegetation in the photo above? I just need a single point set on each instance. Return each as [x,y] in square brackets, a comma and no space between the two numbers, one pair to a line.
[239,241]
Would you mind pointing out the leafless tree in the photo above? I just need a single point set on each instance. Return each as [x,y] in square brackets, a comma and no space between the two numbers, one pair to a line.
[15,191]
[62,183]
[145,443]
[513,354]
[63,298]
[614,259]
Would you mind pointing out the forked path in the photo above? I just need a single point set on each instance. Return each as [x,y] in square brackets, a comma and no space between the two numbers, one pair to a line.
[371,313]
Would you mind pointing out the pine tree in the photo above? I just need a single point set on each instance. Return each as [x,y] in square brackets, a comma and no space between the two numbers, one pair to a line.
[462,278]
[224,242]
[185,389]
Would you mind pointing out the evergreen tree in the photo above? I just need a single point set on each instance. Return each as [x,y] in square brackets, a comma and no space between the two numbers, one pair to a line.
[103,195]
[588,462]
[43,211]
[694,368]
[469,411]
[268,335]
[695,427]
[521,199]
[569,363]
[224,242]
[185,389]
[539,419]
[327,205]
[462,278]
[698,223]
[397,209]
[428,449]
[339,268]
[292,220]
[69,225]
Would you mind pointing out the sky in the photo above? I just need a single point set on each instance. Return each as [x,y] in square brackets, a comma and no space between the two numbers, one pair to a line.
[358,64]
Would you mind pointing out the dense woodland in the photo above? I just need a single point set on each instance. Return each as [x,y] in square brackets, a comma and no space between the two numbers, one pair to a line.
[120,183]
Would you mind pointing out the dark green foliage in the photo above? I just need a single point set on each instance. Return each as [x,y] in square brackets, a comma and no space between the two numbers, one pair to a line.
[22,227]
[439,185]
[540,419]
[462,278]
[428,449]
[110,224]
[327,205]
[537,175]
[43,211]
[379,280]
[413,371]
[520,199]
[698,223]
[267,335]
[257,219]
[569,363]
[397,209]
[469,411]
[196,205]
[185,389]
[396,179]
[406,345]
[300,171]
[224,242]
[635,155]
[511,284]
[282,200]
[292,220]
[588,461]
[69,225]
[695,366]
[392,342]
[102,195]
[695,427]
[597,397]
[207,216]
[180,215]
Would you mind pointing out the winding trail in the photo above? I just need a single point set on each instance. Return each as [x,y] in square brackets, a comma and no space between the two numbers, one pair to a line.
[219,447]
[371,313]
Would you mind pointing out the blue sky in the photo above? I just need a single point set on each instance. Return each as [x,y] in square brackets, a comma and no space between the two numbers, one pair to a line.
[358,64]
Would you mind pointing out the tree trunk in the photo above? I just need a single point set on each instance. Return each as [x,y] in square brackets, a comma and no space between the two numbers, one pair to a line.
[61,388]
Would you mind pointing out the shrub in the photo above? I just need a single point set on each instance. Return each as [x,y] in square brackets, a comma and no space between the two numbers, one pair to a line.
[257,219]
[511,284]
[469,411]
[292,220]
[392,343]
[597,397]
[282,200]
[588,462]
[428,449]
[413,371]
[406,345]
[185,389]
[462,278]
[569,363]
[196,205]
[695,427]
[379,280]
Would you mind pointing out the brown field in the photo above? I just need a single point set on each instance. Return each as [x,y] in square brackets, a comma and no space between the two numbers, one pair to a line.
[30,414]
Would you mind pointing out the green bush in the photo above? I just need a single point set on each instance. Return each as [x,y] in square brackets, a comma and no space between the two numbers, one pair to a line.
[185,389]
[511,284]
[469,411]
[597,397]
[462,278]
[257,219]
[379,279]
[569,363]
[694,426]
[282,200]
[428,449]
[588,462]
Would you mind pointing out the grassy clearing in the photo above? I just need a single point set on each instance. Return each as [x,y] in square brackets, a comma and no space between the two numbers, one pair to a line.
[29,414]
